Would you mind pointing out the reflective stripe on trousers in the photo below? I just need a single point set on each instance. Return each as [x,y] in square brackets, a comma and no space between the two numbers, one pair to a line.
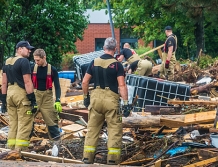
[11,142]
[114,151]
[89,149]
[24,143]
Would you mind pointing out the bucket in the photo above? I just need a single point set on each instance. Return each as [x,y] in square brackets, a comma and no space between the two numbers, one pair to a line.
[67,75]
[214,140]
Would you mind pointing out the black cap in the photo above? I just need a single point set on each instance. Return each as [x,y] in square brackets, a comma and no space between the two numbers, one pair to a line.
[24,44]
[168,28]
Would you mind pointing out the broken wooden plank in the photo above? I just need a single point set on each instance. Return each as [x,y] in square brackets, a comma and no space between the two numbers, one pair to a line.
[179,160]
[73,128]
[68,116]
[213,130]
[205,153]
[71,99]
[83,112]
[149,120]
[48,164]
[155,130]
[202,117]
[46,158]
[197,102]
[4,120]
[204,162]
[171,123]
[157,163]
[137,162]
[162,110]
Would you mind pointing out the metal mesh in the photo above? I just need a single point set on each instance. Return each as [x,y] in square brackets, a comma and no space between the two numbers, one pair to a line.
[152,91]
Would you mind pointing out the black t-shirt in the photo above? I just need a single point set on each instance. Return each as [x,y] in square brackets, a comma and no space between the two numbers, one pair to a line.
[21,67]
[113,71]
[41,78]
[127,53]
[170,42]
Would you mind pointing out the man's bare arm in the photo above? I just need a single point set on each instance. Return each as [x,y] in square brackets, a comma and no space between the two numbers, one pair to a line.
[85,83]
[170,51]
[121,57]
[28,83]
[122,87]
[4,83]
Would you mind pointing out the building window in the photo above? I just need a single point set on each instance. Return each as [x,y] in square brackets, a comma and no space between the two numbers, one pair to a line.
[99,43]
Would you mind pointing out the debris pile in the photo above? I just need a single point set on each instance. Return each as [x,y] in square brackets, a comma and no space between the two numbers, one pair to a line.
[183,133]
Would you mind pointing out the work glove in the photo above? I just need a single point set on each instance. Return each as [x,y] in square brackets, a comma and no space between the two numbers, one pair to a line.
[4,103]
[167,63]
[33,104]
[58,106]
[126,108]
[86,100]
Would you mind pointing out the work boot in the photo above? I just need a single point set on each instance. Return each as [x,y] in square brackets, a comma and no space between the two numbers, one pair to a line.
[113,159]
[88,158]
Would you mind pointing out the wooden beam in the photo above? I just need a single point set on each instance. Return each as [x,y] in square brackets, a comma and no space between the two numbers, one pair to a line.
[146,53]
[46,158]
[199,102]
[157,163]
[160,53]
[205,154]
[135,162]
[208,116]
[150,51]
[149,120]
[204,162]
[171,123]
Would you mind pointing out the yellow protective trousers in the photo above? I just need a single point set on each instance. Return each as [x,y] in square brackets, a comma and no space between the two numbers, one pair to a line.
[133,58]
[45,102]
[104,105]
[167,73]
[20,123]
[144,68]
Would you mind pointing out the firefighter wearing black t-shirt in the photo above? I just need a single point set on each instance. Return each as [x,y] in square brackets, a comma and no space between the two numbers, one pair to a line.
[168,56]
[109,82]
[136,65]
[17,88]
[43,74]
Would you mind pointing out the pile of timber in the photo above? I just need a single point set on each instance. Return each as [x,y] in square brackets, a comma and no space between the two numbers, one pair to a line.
[141,135]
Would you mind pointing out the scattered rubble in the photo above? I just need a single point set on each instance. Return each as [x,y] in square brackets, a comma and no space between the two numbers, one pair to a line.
[183,133]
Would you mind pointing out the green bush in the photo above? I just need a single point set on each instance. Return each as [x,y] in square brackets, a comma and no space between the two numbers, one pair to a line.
[141,50]
[67,62]
[206,61]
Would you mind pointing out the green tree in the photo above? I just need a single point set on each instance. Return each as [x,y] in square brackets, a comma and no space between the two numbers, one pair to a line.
[53,25]
[192,21]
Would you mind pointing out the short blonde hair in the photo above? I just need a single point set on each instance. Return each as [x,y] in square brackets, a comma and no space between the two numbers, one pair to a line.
[39,52]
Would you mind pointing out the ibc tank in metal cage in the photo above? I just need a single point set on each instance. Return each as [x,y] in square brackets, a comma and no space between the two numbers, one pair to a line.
[154,91]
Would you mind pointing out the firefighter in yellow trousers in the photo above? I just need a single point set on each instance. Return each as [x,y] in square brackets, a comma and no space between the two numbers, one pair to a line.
[18,96]
[103,104]
[43,75]
[168,56]
[136,64]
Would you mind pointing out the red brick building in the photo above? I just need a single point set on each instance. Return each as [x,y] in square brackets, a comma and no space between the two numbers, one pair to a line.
[93,37]
[98,30]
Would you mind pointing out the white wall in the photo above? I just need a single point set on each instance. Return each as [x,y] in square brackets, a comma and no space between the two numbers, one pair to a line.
[97,16]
